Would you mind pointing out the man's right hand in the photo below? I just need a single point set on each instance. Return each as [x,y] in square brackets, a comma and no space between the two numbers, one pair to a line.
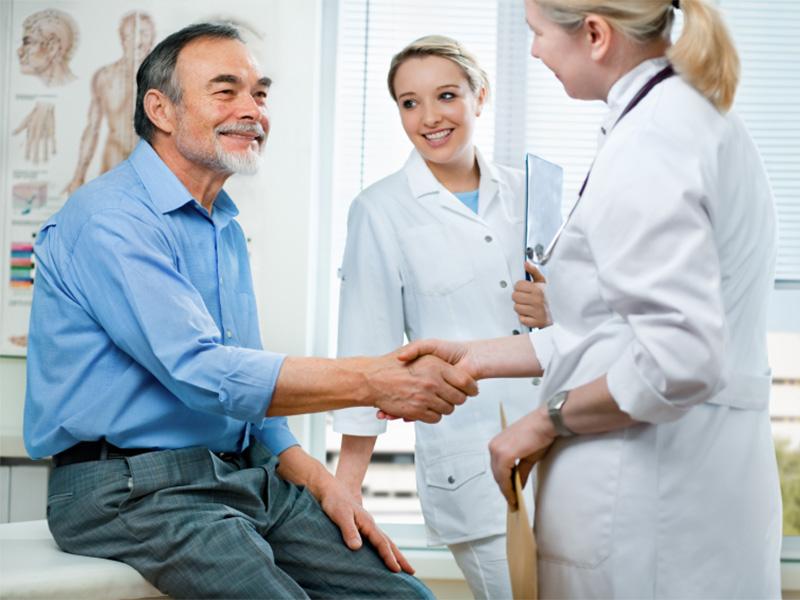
[422,389]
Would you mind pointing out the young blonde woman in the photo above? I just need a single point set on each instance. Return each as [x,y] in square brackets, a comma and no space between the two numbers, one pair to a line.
[435,250]
[657,473]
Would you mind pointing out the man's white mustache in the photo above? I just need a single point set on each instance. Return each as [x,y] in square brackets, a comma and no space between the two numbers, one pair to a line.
[254,128]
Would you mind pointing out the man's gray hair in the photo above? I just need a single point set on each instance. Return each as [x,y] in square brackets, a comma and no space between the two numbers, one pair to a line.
[157,71]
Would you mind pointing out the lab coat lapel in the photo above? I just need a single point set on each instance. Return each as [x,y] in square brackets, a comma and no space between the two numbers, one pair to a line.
[427,190]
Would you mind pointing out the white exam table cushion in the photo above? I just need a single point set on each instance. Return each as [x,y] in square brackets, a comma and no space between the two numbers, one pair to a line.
[33,566]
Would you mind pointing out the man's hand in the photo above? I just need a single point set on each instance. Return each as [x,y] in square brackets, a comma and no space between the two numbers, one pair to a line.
[418,389]
[527,440]
[355,522]
[299,468]
[529,299]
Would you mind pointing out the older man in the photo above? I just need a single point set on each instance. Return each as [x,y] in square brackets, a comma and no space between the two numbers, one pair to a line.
[147,382]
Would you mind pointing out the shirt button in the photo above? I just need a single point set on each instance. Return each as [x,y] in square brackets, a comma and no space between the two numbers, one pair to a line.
[229,335]
[220,280]
[503,284]
[488,238]
[451,479]
[515,332]
[536,381]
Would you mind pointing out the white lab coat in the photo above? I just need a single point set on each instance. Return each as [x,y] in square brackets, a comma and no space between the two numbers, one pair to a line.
[661,279]
[417,261]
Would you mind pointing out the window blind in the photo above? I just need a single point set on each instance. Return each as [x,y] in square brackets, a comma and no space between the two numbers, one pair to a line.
[767,100]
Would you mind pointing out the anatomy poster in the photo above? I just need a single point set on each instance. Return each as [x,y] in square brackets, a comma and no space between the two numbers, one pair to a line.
[69,100]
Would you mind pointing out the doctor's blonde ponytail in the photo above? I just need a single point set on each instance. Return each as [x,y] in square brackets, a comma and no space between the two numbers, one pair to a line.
[704,54]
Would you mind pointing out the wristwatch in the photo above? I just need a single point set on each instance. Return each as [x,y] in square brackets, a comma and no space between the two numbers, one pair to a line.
[554,407]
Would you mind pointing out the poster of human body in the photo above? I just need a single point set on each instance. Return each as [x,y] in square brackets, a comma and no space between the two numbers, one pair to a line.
[70,97]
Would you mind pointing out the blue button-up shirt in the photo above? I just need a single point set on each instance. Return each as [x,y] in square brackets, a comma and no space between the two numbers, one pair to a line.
[143,327]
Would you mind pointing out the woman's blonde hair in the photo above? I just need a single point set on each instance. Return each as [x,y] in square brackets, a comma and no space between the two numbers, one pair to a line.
[704,54]
[440,45]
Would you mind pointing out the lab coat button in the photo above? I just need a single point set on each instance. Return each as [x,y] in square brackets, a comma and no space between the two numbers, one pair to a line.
[451,479]
[536,381]
[503,284]
[488,238]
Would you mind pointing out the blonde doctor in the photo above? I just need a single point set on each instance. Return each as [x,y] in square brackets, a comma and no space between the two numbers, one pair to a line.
[657,473]
[435,250]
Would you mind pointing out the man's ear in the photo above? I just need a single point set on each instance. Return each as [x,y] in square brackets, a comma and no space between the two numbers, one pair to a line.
[599,35]
[160,110]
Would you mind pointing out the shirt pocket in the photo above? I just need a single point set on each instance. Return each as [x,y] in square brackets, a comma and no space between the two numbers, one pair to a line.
[577,499]
[436,260]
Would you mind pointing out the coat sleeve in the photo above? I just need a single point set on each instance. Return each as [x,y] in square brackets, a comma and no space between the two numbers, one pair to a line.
[371,321]
[652,236]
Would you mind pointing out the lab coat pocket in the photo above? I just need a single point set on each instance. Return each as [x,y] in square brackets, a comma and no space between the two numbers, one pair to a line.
[437,261]
[456,494]
[577,499]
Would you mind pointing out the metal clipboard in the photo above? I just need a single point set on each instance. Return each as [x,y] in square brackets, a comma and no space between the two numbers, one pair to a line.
[543,204]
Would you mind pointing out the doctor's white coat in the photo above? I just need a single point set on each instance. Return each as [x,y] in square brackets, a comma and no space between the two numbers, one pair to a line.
[661,280]
[417,261]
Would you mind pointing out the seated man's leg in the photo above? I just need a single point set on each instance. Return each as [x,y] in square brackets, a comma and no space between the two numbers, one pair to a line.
[308,546]
[184,519]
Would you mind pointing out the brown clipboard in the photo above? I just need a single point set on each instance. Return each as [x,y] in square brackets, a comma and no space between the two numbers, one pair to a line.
[520,543]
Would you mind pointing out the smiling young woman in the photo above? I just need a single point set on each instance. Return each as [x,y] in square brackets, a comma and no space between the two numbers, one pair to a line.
[434,250]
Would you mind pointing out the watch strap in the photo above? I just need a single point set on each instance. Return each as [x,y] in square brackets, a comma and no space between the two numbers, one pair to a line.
[554,407]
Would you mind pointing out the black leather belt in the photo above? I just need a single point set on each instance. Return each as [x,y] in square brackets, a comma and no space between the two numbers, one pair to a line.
[102,450]
[99,450]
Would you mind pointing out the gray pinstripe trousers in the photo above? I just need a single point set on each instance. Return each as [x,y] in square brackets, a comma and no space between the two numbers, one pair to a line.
[197,526]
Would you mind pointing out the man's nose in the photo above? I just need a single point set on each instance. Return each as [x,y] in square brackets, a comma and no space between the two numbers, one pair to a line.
[248,108]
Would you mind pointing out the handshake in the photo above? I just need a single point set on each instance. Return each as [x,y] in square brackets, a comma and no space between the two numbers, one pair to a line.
[421,381]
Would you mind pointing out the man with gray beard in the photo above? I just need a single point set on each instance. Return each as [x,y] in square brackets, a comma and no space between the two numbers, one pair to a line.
[147,381]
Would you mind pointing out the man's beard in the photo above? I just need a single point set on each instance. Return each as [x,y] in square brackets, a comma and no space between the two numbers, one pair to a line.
[246,163]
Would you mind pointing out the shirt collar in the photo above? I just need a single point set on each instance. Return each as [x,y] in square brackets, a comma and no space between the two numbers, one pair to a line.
[623,91]
[423,182]
[166,190]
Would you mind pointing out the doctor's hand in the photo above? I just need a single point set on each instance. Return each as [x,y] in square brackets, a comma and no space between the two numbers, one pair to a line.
[456,353]
[526,441]
[529,299]
[418,389]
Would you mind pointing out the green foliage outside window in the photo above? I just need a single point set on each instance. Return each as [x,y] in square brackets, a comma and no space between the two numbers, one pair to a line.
[789,471]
